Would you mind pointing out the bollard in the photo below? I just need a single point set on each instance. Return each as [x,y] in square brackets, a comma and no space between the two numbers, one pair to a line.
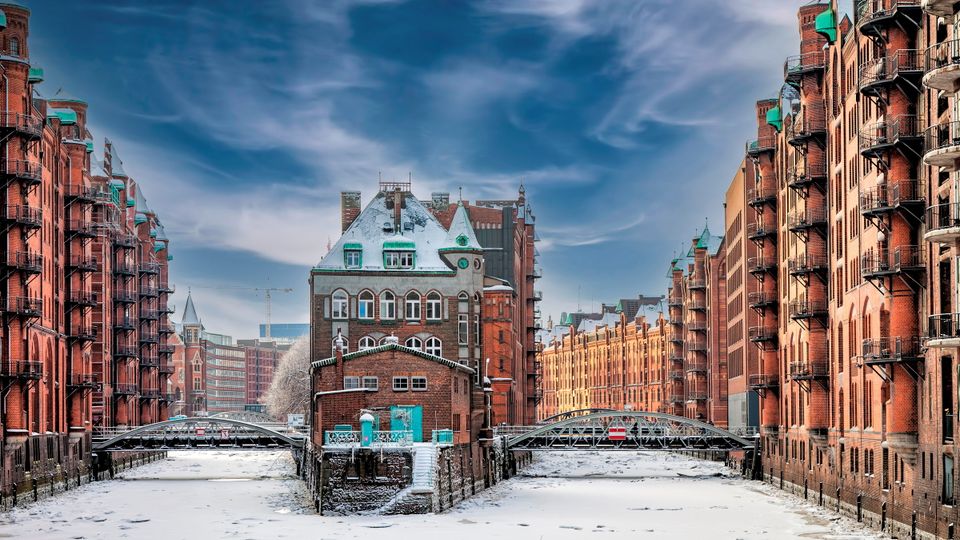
[36,495]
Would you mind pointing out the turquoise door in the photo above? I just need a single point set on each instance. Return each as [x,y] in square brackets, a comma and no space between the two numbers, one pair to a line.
[407,418]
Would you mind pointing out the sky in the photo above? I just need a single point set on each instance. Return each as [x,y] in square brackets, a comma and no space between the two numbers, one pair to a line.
[244,120]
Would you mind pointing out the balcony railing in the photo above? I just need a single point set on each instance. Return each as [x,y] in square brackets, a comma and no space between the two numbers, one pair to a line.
[805,173]
[877,74]
[24,306]
[24,124]
[123,296]
[902,259]
[764,382]
[166,369]
[761,230]
[124,389]
[943,223]
[676,374]
[27,171]
[810,218]
[149,393]
[167,329]
[125,240]
[809,370]
[875,16]
[944,330]
[697,305]
[941,145]
[904,131]
[943,66]
[886,198]
[149,291]
[698,345]
[353,439]
[887,350]
[760,300]
[21,369]
[762,334]
[761,265]
[675,301]
[795,67]
[149,361]
[25,216]
[84,381]
[26,261]
[125,351]
[697,326]
[696,396]
[83,298]
[82,228]
[125,324]
[83,332]
[84,264]
[124,269]
[149,314]
[757,197]
[148,337]
[806,309]
[167,288]
[149,268]
[80,193]
[804,265]
[697,284]
[166,348]
[761,145]
[809,123]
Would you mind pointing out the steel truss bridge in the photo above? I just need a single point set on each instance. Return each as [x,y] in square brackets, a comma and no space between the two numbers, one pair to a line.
[604,429]
[200,433]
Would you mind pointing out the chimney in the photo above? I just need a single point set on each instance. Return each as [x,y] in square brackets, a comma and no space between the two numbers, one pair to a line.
[397,204]
[338,344]
[349,208]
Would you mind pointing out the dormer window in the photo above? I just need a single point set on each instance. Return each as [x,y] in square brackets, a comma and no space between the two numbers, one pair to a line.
[398,259]
[353,255]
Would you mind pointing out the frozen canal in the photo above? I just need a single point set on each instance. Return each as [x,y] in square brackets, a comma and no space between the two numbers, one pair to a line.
[247,495]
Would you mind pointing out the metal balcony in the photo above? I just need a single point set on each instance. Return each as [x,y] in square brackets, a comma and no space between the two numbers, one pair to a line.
[124,269]
[809,124]
[810,218]
[940,8]
[760,146]
[123,296]
[125,352]
[166,369]
[25,125]
[696,396]
[167,329]
[764,382]
[166,288]
[125,324]
[148,338]
[805,265]
[805,309]
[697,305]
[124,389]
[942,68]
[697,284]
[885,263]
[149,268]
[941,145]
[697,346]
[762,334]
[168,309]
[27,217]
[81,228]
[943,223]
[149,314]
[168,396]
[26,171]
[944,330]
[897,133]
[24,306]
[21,369]
[80,193]
[149,292]
[697,326]
[887,350]
[166,348]
[677,357]
[696,366]
[83,298]
[675,337]
[676,374]
[84,381]
[795,67]
[759,197]
[82,332]
[761,231]
[675,322]
[149,361]
[762,300]
[809,370]
[675,301]
[27,262]
[761,265]
[886,198]
[125,240]
[902,69]
[149,393]
[83,263]
[874,17]
[803,174]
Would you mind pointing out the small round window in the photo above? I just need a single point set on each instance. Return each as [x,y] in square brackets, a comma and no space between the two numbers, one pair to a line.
[462,240]
[476,263]
[463,263]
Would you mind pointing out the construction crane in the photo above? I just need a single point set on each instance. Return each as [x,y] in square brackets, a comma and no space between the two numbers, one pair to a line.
[267,291]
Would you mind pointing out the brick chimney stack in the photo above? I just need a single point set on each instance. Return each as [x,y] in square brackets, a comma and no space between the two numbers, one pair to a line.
[338,344]
[349,208]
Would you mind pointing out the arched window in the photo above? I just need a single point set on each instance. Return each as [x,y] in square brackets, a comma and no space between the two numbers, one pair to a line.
[340,305]
[434,347]
[412,306]
[434,303]
[365,305]
[14,47]
[414,343]
[388,306]
[366,342]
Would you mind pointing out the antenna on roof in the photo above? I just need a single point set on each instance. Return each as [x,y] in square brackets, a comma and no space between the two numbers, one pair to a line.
[460,190]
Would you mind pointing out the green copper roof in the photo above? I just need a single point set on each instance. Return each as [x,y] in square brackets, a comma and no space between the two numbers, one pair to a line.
[153,233]
[704,240]
[399,244]
[774,118]
[826,25]
[67,117]
[130,202]
[169,257]
[89,143]
[14,3]
[139,218]
[36,73]
[353,245]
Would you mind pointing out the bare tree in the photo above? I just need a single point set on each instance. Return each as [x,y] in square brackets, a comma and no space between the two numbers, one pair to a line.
[289,392]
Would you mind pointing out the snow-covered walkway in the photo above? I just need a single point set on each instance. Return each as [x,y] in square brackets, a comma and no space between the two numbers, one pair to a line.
[250,495]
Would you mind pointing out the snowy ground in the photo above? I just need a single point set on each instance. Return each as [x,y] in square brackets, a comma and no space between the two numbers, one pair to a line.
[248,495]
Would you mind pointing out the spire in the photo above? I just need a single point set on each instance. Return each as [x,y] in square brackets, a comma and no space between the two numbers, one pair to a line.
[190,312]
[461,236]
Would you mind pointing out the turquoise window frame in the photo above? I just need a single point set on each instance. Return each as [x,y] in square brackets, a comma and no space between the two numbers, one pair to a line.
[346,258]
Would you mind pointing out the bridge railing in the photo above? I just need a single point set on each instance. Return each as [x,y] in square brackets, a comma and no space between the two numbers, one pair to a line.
[353,439]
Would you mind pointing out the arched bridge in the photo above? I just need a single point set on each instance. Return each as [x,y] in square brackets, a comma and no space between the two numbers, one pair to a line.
[203,433]
[624,430]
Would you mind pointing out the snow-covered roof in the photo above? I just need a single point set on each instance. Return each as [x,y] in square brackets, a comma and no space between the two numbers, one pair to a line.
[461,235]
[116,164]
[390,347]
[608,319]
[502,288]
[373,232]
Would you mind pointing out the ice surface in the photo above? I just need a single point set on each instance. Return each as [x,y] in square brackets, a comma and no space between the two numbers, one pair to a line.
[241,495]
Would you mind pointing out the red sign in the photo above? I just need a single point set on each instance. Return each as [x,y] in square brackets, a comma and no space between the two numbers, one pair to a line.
[201,432]
[617,433]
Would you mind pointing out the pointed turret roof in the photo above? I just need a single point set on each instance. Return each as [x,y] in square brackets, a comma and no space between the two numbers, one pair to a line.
[190,313]
[460,235]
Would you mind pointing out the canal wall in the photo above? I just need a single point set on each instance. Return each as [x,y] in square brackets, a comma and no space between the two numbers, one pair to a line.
[425,478]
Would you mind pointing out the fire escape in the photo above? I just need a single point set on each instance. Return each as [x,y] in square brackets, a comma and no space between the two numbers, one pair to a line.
[125,350]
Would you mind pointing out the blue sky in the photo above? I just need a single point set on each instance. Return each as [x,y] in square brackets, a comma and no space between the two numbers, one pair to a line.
[244,120]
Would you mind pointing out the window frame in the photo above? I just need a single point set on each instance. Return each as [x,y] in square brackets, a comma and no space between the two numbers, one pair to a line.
[407,343]
[351,382]
[370,302]
[368,378]
[388,306]
[434,306]
[371,343]
[412,306]
[349,254]
[336,300]
[413,387]
[463,329]
[405,387]
[427,346]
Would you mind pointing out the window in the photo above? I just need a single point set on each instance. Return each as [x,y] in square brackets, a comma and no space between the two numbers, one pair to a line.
[340,304]
[401,384]
[412,306]
[365,305]
[352,258]
[351,383]
[398,259]
[366,342]
[14,47]
[476,329]
[196,384]
[433,306]
[371,383]
[414,343]
[388,306]
[462,323]
[418,383]
[434,347]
